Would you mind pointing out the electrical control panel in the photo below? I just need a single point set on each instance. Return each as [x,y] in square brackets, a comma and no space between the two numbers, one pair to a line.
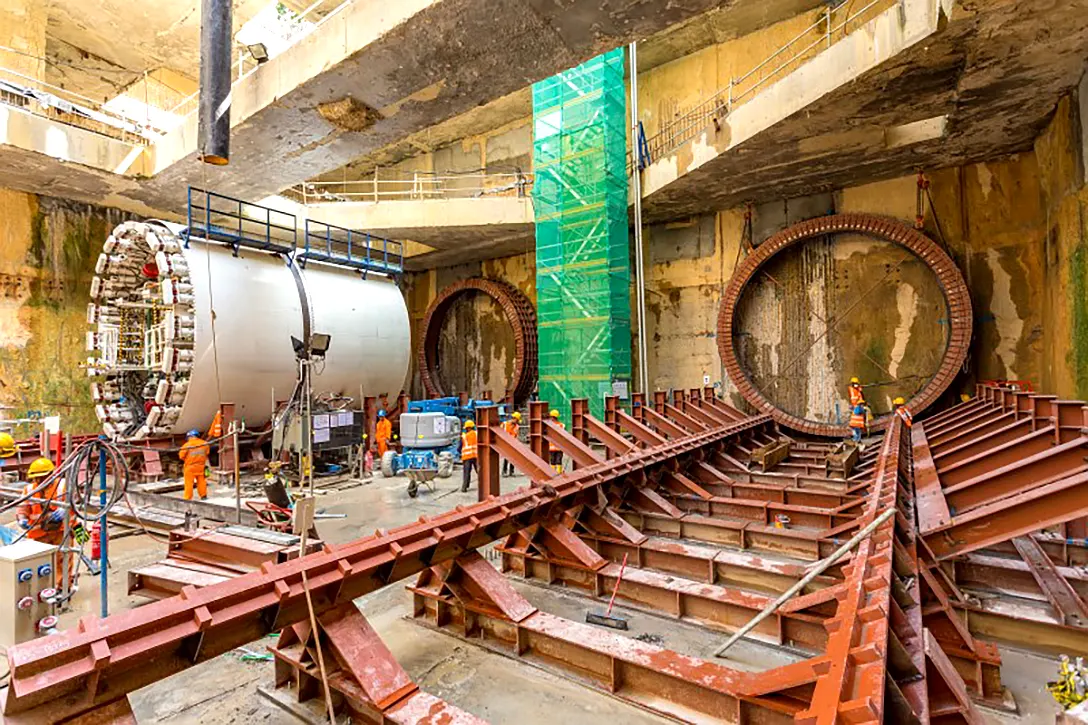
[26,591]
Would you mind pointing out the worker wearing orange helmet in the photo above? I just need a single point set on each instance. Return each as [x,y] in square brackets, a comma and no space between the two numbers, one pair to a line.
[511,425]
[194,456]
[903,412]
[468,453]
[555,455]
[383,433]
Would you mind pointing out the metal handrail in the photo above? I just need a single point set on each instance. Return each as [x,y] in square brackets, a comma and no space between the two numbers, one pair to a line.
[415,186]
[724,101]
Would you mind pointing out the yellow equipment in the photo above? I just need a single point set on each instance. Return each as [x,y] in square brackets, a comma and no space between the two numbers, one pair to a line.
[1071,687]
[469,425]
[7,445]
[40,468]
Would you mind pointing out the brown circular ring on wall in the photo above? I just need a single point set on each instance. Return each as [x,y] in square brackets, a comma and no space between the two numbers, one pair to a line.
[949,278]
[519,313]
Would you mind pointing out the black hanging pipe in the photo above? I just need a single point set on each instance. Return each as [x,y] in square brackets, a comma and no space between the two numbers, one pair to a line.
[213,136]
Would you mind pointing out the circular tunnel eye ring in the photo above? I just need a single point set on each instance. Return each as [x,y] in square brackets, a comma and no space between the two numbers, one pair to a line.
[519,314]
[953,287]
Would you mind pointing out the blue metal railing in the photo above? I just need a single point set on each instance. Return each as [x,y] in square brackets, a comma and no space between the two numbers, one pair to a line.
[363,251]
[240,224]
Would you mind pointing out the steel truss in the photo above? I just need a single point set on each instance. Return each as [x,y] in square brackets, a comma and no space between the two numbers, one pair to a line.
[717,513]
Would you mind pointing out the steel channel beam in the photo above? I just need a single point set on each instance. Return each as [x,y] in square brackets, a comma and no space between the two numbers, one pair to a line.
[1069,607]
[1011,452]
[103,660]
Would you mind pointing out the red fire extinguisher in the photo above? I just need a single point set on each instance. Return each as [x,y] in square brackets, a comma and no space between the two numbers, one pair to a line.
[96,542]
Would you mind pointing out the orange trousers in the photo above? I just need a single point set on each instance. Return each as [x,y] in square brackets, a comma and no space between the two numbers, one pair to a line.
[196,476]
[383,446]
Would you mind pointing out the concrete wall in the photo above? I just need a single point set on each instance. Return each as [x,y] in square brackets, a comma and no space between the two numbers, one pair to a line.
[476,352]
[48,249]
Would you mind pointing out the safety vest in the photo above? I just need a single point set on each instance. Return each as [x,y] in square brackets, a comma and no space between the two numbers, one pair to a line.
[511,427]
[857,417]
[194,452]
[857,397]
[33,510]
[468,446]
[902,412]
[216,429]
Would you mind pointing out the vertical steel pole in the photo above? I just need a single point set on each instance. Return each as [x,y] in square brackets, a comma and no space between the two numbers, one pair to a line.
[636,178]
[103,573]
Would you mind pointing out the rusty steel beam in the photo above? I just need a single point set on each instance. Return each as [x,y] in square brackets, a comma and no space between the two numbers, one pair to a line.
[103,660]
[668,683]
[1069,607]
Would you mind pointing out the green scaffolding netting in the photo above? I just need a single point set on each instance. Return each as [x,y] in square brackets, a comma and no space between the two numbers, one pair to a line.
[583,268]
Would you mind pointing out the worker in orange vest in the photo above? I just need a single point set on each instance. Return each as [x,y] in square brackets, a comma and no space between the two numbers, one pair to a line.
[42,520]
[903,412]
[857,396]
[858,422]
[468,453]
[555,454]
[383,433]
[39,518]
[511,426]
[194,456]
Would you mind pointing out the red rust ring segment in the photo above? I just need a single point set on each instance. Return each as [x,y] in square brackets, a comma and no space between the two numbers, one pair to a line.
[952,286]
[519,313]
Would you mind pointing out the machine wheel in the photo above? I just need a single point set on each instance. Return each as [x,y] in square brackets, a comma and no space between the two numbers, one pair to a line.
[445,464]
[387,464]
[413,488]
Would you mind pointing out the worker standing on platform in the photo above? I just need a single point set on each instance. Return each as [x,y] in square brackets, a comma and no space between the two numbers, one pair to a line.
[903,412]
[383,433]
[468,453]
[555,454]
[511,426]
[194,456]
[858,422]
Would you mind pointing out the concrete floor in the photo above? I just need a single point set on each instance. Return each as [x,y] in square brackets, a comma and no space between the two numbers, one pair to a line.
[492,686]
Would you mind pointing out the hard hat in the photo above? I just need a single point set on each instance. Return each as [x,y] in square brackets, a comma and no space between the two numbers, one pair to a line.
[7,445]
[899,401]
[515,415]
[554,413]
[39,468]
[469,425]
[381,413]
[854,380]
[194,433]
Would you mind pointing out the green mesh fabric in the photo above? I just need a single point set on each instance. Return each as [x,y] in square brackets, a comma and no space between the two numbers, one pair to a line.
[583,268]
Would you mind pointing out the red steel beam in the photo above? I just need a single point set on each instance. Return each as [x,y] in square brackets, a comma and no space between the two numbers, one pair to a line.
[103,660]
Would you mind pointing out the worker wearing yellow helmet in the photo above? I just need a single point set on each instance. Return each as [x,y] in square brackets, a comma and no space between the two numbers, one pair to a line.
[37,515]
[468,454]
[857,395]
[7,445]
[512,427]
[903,412]
[555,455]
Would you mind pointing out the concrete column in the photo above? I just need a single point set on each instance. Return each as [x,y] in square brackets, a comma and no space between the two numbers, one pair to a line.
[22,28]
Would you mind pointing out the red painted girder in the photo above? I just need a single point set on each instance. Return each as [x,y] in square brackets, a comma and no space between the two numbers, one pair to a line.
[579,452]
[1008,453]
[930,504]
[1022,475]
[665,426]
[683,419]
[360,651]
[610,438]
[62,673]
[1069,607]
[955,454]
[1037,508]
[643,434]
[979,424]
